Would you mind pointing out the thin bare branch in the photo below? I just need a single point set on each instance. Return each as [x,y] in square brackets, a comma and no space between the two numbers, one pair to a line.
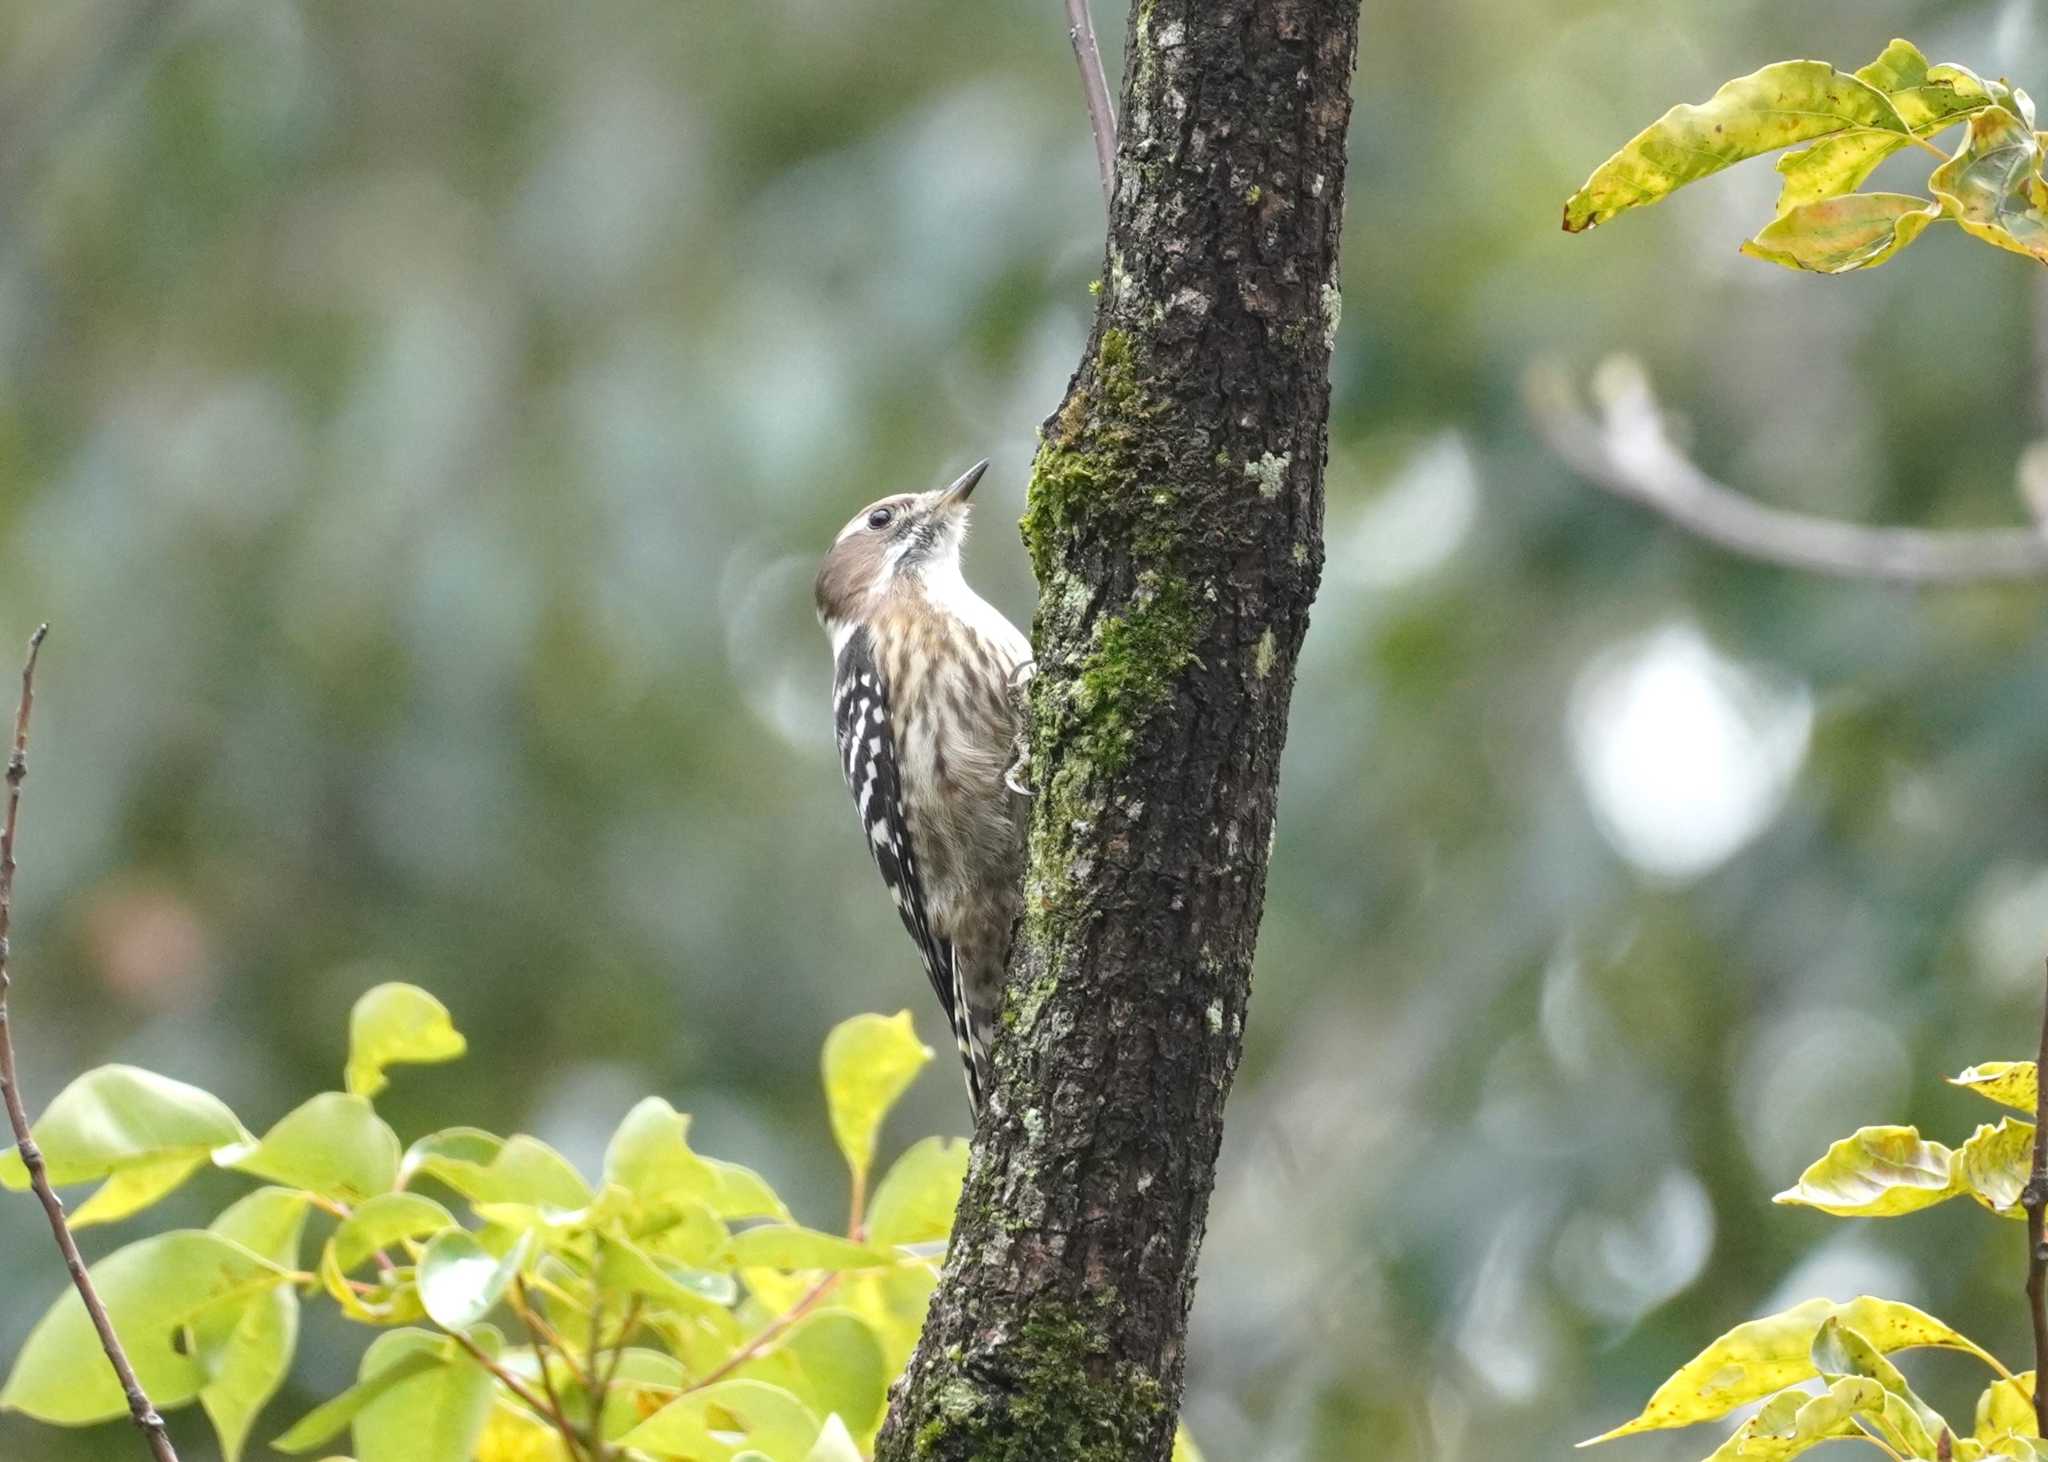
[1626,450]
[2034,1198]
[146,1417]
[1095,89]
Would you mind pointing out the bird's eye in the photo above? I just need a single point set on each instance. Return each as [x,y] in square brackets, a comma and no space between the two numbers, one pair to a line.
[881,517]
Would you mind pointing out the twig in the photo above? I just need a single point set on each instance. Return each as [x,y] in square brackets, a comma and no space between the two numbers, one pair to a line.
[770,1333]
[535,1327]
[146,1417]
[603,1393]
[1095,88]
[2034,1198]
[1626,450]
[551,1414]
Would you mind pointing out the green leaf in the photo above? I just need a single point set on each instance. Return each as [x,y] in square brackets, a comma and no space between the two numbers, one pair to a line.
[915,1201]
[788,1246]
[1879,1172]
[395,1025]
[1995,1163]
[1793,101]
[334,1145]
[435,1415]
[1993,187]
[1837,235]
[460,1281]
[1759,1357]
[2010,1083]
[650,1157]
[869,1062]
[763,1417]
[387,1219]
[843,1366]
[246,1350]
[152,1289]
[269,1221]
[834,1443]
[2006,1409]
[145,1132]
[1790,1424]
[1839,164]
[378,1373]
[488,1169]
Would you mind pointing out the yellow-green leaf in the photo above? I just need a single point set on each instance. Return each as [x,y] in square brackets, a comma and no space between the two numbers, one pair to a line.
[914,1202]
[460,1281]
[387,1219]
[1184,1448]
[246,1350]
[434,1415]
[1994,1165]
[1793,101]
[868,1063]
[834,1444]
[487,1169]
[2006,1409]
[844,1369]
[1878,1172]
[1759,1357]
[393,1025]
[1837,235]
[145,1132]
[1993,187]
[650,1157]
[788,1246]
[334,1145]
[763,1417]
[2009,1083]
[152,1290]
[269,1221]
[379,1371]
[625,1268]
[1838,164]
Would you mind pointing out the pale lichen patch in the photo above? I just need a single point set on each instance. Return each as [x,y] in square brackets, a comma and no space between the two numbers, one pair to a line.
[1333,312]
[1264,655]
[1269,472]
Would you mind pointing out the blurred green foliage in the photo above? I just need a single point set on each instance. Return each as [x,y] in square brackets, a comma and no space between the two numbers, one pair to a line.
[420,422]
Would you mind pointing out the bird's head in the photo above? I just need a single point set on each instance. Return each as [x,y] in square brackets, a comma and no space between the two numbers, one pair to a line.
[892,544]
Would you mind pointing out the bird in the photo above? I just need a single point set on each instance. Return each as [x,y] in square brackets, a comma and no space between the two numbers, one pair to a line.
[928,682]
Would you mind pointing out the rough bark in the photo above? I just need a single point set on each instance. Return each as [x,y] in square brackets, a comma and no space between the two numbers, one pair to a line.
[1175,524]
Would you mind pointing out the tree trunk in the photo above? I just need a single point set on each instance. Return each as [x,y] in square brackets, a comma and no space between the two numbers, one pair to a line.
[1175,524]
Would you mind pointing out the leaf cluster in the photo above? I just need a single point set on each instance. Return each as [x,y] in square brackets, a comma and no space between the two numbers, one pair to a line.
[1844,124]
[1822,1369]
[671,1308]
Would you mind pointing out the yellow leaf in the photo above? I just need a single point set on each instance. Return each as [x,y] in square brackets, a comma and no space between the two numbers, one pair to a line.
[1877,1172]
[1760,1357]
[2006,1409]
[868,1062]
[1793,101]
[1838,235]
[1995,1164]
[2009,1083]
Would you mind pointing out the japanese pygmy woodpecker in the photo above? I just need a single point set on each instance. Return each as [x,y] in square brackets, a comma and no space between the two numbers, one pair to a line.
[926,699]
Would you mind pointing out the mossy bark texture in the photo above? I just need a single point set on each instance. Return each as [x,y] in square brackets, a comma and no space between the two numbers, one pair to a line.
[1175,523]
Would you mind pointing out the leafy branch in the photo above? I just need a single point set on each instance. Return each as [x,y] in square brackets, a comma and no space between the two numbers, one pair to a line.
[1991,185]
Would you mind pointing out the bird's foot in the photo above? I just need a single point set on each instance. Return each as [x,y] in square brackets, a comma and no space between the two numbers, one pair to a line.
[1017,776]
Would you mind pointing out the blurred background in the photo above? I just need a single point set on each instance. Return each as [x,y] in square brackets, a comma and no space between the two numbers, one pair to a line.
[420,421]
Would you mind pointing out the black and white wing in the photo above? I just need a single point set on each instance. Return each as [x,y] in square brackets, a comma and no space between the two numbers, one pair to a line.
[867,754]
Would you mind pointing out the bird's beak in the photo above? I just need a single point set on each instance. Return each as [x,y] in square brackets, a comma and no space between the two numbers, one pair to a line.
[962,489]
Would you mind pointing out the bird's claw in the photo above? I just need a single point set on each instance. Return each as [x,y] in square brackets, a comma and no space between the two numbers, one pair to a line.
[1017,776]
